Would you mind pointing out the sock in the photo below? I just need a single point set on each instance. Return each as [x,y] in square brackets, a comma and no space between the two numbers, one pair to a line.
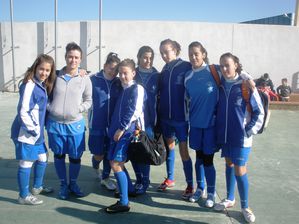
[137,172]
[74,170]
[60,170]
[122,182]
[129,182]
[188,171]
[106,168]
[145,170]
[170,164]
[243,188]
[230,182]
[39,172]
[95,163]
[23,181]
[200,174]
[210,174]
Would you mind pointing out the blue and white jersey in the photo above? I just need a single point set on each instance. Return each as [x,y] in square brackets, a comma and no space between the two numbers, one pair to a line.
[235,124]
[149,79]
[104,96]
[172,90]
[201,97]
[129,109]
[28,126]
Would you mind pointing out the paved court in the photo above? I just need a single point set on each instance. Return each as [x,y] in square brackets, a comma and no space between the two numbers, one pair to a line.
[273,174]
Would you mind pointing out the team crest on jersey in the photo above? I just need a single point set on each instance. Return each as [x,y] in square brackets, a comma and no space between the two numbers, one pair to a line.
[210,87]
[239,101]
[79,126]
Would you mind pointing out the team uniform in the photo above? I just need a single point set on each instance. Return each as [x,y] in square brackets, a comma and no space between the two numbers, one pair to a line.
[72,96]
[172,112]
[235,128]
[201,98]
[149,79]
[127,116]
[27,133]
[104,96]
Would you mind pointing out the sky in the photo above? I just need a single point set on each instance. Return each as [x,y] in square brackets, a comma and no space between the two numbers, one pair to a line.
[219,11]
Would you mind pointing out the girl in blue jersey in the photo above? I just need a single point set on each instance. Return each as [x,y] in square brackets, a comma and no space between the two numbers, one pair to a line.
[72,96]
[106,88]
[202,93]
[172,112]
[237,121]
[27,131]
[148,77]
[126,118]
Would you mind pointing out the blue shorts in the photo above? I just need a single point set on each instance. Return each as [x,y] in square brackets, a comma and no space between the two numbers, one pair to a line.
[118,151]
[73,145]
[238,156]
[172,129]
[28,152]
[98,144]
[203,139]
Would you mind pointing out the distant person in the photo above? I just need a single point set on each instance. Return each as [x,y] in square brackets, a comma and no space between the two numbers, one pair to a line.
[265,80]
[235,127]
[266,89]
[106,88]
[71,97]
[27,131]
[284,90]
[128,116]
[172,112]
[148,77]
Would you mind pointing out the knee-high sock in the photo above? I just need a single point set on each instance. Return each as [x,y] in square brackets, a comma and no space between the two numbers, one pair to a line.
[243,188]
[129,182]
[230,182]
[200,174]
[23,181]
[39,172]
[74,170]
[95,163]
[137,171]
[106,168]
[60,170]
[187,165]
[170,164]
[210,174]
[122,182]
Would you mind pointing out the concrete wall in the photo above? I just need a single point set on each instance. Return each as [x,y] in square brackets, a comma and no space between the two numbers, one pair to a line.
[261,48]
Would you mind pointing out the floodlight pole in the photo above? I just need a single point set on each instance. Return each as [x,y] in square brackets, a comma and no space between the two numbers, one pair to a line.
[55,33]
[12,47]
[100,34]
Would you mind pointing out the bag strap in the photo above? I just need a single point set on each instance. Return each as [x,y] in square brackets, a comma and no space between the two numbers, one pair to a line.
[246,95]
[215,74]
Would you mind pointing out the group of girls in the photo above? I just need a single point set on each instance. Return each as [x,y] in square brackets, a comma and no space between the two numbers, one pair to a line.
[123,97]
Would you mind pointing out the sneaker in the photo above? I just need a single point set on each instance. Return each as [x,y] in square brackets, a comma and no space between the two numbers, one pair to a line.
[117,207]
[30,200]
[248,215]
[75,190]
[166,184]
[42,190]
[225,203]
[98,174]
[210,200]
[109,184]
[199,193]
[130,194]
[138,186]
[187,193]
[64,192]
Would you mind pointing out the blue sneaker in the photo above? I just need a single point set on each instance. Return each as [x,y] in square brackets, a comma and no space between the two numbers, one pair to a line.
[63,192]
[75,190]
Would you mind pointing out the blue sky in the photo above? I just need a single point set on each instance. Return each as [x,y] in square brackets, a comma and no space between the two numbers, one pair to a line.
[227,11]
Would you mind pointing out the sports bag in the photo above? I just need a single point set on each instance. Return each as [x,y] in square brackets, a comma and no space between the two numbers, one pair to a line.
[144,150]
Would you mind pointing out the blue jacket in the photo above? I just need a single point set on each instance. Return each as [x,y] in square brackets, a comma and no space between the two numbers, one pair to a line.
[149,79]
[172,90]
[129,109]
[235,124]
[104,96]
[28,126]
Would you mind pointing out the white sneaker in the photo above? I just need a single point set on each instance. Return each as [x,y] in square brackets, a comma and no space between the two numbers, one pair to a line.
[30,200]
[197,195]
[225,203]
[210,200]
[42,190]
[109,184]
[248,215]
[98,174]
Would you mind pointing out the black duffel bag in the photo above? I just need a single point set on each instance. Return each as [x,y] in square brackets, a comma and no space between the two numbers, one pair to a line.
[144,150]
